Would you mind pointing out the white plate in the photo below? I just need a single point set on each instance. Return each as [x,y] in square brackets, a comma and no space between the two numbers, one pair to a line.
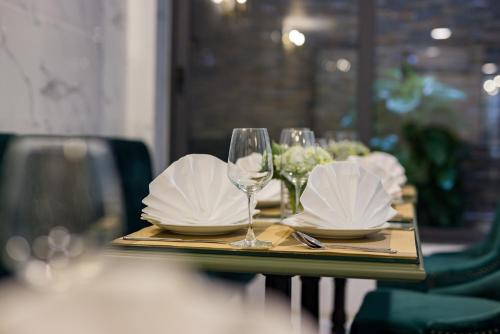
[333,233]
[197,229]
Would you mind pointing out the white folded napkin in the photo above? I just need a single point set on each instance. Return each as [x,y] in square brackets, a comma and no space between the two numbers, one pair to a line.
[390,164]
[387,168]
[195,190]
[270,193]
[345,195]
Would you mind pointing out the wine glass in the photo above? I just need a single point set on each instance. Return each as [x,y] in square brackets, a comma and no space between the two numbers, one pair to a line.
[60,201]
[340,135]
[286,133]
[250,168]
[294,165]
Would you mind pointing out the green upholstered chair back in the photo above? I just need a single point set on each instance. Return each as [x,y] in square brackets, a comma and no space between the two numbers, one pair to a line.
[493,240]
[4,142]
[133,165]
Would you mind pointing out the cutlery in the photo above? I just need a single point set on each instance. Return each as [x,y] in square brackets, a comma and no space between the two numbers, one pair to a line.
[401,228]
[314,243]
[166,239]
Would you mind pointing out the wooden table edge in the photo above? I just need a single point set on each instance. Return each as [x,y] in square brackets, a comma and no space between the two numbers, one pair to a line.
[282,266]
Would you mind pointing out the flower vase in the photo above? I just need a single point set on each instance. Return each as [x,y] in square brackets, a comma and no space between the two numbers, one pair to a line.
[288,199]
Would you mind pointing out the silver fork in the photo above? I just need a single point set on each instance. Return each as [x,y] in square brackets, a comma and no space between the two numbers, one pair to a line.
[314,243]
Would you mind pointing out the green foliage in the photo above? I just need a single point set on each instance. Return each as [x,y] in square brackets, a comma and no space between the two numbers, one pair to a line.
[341,150]
[402,95]
[431,156]
[408,107]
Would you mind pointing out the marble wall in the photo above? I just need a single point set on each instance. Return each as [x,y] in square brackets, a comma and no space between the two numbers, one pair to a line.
[65,68]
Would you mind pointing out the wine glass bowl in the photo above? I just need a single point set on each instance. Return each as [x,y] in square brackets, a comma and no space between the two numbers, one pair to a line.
[250,168]
[248,174]
[60,201]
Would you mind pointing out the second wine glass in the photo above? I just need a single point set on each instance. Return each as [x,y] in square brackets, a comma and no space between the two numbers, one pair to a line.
[250,168]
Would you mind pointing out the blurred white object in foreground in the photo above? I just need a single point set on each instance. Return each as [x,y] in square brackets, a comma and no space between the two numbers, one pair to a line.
[136,297]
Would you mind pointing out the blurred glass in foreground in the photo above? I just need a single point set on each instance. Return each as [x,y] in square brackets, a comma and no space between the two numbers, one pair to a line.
[60,202]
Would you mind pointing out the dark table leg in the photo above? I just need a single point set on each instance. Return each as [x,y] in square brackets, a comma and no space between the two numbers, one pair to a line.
[280,285]
[338,315]
[310,295]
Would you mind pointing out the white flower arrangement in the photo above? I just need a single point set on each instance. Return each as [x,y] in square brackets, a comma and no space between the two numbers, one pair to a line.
[300,160]
[341,150]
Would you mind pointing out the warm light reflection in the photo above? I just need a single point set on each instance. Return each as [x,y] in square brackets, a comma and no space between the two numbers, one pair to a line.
[241,1]
[296,37]
[489,68]
[493,92]
[440,33]
[75,149]
[343,65]
[217,1]
[496,80]
[490,87]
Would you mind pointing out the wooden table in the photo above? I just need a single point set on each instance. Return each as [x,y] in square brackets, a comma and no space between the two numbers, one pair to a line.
[287,258]
[284,260]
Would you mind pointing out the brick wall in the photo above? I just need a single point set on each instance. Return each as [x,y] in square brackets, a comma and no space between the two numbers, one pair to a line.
[242,76]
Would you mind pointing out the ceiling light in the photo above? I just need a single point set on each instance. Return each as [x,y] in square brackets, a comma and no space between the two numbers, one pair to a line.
[493,92]
[489,68]
[440,33]
[296,37]
[496,80]
[489,86]
[343,65]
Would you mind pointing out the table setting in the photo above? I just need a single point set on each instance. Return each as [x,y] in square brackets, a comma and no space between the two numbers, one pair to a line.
[336,208]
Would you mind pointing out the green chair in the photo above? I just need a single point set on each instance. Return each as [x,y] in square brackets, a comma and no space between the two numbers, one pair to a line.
[446,269]
[464,295]
[487,287]
[133,165]
[393,311]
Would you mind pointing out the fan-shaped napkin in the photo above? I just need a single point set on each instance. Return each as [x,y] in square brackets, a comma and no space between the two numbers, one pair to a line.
[270,193]
[390,164]
[195,190]
[387,168]
[345,195]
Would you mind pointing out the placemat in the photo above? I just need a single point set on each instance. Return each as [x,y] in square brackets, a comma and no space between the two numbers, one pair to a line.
[403,241]
[406,212]
[409,193]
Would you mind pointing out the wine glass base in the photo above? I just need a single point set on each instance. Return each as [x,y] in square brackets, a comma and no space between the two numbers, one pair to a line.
[253,244]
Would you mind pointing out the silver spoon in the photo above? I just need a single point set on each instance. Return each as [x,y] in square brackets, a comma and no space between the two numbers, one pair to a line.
[314,243]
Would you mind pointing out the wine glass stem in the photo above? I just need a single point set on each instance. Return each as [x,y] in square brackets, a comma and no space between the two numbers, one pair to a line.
[250,235]
[297,197]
